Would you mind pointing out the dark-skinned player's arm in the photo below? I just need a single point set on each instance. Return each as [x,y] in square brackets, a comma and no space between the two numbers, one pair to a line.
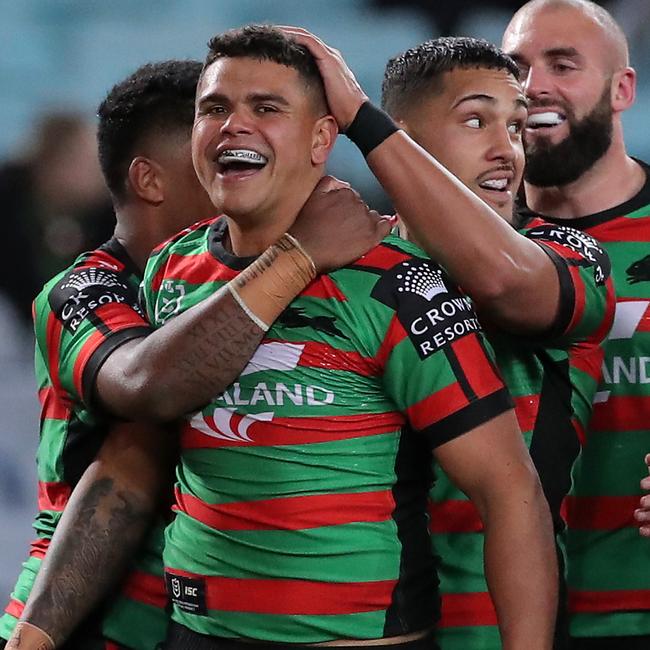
[509,277]
[102,525]
[492,466]
[197,354]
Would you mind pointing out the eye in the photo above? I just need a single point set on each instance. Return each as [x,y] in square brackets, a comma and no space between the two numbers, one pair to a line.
[516,127]
[562,66]
[266,108]
[474,122]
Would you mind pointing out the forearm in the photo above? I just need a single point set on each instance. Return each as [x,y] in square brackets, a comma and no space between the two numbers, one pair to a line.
[496,266]
[521,566]
[90,550]
[197,354]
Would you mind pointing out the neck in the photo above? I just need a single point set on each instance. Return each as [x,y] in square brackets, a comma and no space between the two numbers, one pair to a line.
[612,180]
[139,232]
[252,234]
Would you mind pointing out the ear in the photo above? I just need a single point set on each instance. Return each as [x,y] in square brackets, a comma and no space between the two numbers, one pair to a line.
[145,180]
[623,89]
[324,137]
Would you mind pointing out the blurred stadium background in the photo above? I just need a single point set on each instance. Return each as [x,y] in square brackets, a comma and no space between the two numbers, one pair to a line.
[59,57]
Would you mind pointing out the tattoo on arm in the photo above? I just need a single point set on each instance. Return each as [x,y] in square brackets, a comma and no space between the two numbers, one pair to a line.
[89,552]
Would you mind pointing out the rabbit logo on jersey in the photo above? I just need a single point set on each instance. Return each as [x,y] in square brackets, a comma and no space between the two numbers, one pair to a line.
[432,315]
[225,423]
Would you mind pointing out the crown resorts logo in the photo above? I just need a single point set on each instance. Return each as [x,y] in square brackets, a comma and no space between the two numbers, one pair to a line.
[81,280]
[421,280]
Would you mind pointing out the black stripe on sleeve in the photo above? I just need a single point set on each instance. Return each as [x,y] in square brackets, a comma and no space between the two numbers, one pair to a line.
[473,415]
[99,356]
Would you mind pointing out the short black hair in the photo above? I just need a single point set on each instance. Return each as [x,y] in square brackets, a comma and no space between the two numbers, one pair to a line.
[156,98]
[419,71]
[268,43]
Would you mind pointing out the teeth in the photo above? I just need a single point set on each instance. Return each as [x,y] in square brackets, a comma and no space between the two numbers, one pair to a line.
[241,155]
[495,184]
[550,118]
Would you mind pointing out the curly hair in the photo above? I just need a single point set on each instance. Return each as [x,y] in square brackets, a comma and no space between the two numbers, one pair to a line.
[156,98]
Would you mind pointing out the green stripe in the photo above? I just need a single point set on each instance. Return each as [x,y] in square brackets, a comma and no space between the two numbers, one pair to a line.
[611,464]
[357,552]
[469,638]
[362,464]
[611,552]
[21,591]
[461,566]
[50,450]
[298,628]
[616,624]
[135,625]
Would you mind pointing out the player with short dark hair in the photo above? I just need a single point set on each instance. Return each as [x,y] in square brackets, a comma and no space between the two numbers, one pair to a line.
[101,480]
[302,488]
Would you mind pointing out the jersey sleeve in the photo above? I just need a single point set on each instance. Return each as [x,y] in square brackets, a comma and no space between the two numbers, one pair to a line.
[587,298]
[81,317]
[438,367]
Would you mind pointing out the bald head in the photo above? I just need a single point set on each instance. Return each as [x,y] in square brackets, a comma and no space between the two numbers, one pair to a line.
[582,15]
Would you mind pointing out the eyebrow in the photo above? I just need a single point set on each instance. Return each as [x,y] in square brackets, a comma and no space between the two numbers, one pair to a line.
[251,98]
[520,102]
[568,52]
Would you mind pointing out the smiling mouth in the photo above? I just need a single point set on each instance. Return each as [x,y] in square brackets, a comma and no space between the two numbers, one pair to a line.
[232,161]
[546,120]
[496,184]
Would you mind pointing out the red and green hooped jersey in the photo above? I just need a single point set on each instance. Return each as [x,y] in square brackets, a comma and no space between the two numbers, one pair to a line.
[608,561]
[301,495]
[552,380]
[81,316]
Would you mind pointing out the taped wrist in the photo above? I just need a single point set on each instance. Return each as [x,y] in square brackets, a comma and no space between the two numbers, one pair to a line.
[370,127]
[30,637]
[279,275]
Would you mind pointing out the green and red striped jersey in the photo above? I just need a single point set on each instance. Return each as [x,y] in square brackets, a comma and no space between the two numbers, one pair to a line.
[553,379]
[608,562]
[301,495]
[80,317]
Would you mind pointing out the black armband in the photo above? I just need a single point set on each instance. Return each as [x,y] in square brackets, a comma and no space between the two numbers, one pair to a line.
[370,127]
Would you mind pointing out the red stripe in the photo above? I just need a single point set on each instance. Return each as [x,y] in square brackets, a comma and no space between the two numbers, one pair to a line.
[15,608]
[589,360]
[53,496]
[296,431]
[580,431]
[621,414]
[438,406]
[382,257]
[610,310]
[53,338]
[90,345]
[600,513]
[145,588]
[477,368]
[109,645]
[193,269]
[324,287]
[324,356]
[38,548]
[293,513]
[526,408]
[636,229]
[585,602]
[467,610]
[454,516]
[101,258]
[394,335]
[294,597]
[580,298]
[54,406]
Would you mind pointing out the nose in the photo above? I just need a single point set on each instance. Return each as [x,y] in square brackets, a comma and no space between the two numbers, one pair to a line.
[537,82]
[237,122]
[504,145]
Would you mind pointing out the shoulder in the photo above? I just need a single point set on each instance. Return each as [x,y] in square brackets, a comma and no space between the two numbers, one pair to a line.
[187,237]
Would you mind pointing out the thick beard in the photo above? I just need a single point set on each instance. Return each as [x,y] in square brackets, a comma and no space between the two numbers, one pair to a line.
[550,165]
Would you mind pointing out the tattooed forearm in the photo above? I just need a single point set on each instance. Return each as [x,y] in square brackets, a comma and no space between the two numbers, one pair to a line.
[94,540]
